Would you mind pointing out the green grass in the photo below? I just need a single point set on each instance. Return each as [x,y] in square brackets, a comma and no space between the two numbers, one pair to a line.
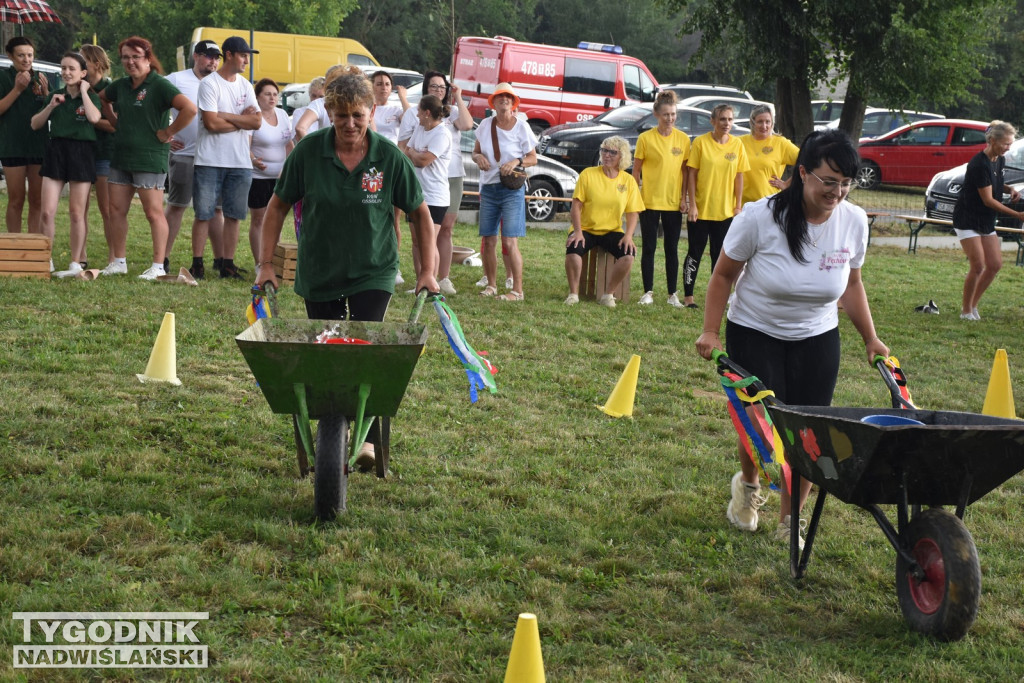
[119,496]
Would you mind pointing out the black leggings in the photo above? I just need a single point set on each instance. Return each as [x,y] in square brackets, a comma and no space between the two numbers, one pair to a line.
[368,306]
[801,372]
[672,223]
[698,232]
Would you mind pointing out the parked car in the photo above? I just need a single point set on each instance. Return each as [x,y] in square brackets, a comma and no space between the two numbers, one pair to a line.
[549,178]
[912,155]
[878,122]
[577,144]
[741,107]
[684,90]
[944,189]
[51,70]
[825,112]
[295,95]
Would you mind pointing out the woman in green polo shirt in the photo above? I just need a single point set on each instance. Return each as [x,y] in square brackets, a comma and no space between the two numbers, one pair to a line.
[350,179]
[70,155]
[98,70]
[144,99]
[22,92]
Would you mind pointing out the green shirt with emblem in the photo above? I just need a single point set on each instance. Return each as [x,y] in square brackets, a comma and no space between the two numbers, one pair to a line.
[347,243]
[67,120]
[17,139]
[104,140]
[141,112]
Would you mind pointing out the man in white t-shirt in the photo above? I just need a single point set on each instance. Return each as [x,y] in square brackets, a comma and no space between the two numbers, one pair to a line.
[223,167]
[205,58]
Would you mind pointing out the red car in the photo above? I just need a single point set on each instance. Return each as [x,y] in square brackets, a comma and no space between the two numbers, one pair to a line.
[913,154]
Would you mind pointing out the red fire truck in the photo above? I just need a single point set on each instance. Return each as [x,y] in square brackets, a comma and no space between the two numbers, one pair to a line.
[555,84]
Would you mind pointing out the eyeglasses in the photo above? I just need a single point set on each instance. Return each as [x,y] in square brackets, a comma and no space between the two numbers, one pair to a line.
[830,184]
[610,152]
[436,87]
[132,58]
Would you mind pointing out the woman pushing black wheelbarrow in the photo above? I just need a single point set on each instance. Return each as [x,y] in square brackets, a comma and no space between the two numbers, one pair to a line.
[792,257]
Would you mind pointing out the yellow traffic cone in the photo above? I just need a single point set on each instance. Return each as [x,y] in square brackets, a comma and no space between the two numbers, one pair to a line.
[163,364]
[525,662]
[999,397]
[620,403]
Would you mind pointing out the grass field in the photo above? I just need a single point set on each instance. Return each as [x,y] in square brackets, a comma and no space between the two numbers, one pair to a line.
[119,496]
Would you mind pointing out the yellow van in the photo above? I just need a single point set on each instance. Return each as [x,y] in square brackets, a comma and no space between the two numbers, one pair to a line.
[286,57]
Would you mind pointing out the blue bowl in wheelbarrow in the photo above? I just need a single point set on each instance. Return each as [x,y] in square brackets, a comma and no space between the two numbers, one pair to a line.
[865,464]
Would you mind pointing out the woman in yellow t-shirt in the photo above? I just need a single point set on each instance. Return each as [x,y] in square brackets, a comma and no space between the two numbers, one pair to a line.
[603,195]
[768,155]
[659,167]
[714,184]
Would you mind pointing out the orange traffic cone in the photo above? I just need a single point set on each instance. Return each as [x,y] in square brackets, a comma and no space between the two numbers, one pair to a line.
[620,403]
[525,663]
[163,364]
[999,397]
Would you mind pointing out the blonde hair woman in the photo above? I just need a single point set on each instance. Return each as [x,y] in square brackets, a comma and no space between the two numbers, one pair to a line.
[603,195]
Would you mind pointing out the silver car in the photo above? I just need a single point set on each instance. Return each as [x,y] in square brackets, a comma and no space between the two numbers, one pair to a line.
[549,178]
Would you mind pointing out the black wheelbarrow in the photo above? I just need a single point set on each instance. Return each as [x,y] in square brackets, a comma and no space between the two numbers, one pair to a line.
[916,460]
[337,384]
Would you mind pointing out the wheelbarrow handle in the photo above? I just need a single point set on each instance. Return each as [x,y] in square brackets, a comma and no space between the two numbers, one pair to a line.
[270,291]
[721,358]
[891,384]
[417,306]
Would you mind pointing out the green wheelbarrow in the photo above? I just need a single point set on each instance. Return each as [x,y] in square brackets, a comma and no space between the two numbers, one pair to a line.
[341,385]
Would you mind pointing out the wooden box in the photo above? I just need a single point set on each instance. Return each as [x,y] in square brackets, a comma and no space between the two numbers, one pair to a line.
[597,271]
[24,255]
[286,258]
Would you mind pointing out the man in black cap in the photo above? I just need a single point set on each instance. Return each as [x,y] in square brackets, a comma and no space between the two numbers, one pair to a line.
[223,169]
[205,59]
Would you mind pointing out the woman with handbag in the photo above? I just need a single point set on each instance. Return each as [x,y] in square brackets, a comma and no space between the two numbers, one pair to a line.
[504,148]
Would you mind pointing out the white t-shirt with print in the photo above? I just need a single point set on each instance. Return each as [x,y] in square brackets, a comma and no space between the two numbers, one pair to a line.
[776,294]
[269,143]
[456,168]
[434,176]
[387,117]
[224,150]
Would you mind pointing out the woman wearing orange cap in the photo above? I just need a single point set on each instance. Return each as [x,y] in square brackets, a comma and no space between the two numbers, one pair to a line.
[504,148]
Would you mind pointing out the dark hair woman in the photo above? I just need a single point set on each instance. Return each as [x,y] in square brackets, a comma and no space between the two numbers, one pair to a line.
[791,259]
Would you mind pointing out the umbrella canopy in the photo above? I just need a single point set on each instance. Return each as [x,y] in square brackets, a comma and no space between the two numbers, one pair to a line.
[27,12]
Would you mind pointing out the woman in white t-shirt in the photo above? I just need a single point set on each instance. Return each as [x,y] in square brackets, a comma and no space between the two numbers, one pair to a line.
[387,117]
[269,145]
[430,149]
[792,257]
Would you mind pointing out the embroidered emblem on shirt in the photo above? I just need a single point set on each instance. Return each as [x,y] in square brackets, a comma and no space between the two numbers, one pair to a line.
[676,151]
[621,188]
[767,149]
[731,156]
[373,182]
[140,98]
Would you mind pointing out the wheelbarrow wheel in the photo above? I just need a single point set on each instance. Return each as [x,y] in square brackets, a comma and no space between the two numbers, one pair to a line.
[945,603]
[330,479]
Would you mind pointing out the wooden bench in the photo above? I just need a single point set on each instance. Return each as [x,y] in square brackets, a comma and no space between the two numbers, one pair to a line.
[1019,232]
[597,271]
[917,223]
[872,215]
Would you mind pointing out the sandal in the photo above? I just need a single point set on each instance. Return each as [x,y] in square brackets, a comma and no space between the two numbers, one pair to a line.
[489,290]
[511,296]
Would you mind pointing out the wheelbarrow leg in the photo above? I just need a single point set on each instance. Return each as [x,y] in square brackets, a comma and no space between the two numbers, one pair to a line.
[300,448]
[303,433]
[797,559]
[380,435]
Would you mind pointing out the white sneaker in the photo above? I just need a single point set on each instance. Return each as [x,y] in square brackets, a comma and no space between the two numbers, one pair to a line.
[746,501]
[974,312]
[783,529]
[482,282]
[152,273]
[647,299]
[572,299]
[508,283]
[399,280]
[607,300]
[446,286]
[115,268]
[73,270]
[969,316]
[674,301]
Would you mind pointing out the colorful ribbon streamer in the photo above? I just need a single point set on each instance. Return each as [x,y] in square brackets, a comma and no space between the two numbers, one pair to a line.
[478,370]
[736,391]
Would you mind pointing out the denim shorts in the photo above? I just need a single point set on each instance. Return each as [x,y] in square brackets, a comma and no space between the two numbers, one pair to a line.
[103,167]
[504,208]
[231,185]
[137,179]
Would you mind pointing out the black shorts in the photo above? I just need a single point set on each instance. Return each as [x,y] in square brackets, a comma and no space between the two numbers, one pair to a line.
[609,241]
[369,305]
[437,213]
[71,161]
[260,192]
[801,372]
[12,162]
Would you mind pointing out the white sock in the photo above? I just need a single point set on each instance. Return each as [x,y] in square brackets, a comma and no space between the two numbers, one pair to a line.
[121,261]
[159,266]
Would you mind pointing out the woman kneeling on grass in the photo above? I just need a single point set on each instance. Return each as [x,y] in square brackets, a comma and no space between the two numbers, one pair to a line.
[792,257]
[70,156]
